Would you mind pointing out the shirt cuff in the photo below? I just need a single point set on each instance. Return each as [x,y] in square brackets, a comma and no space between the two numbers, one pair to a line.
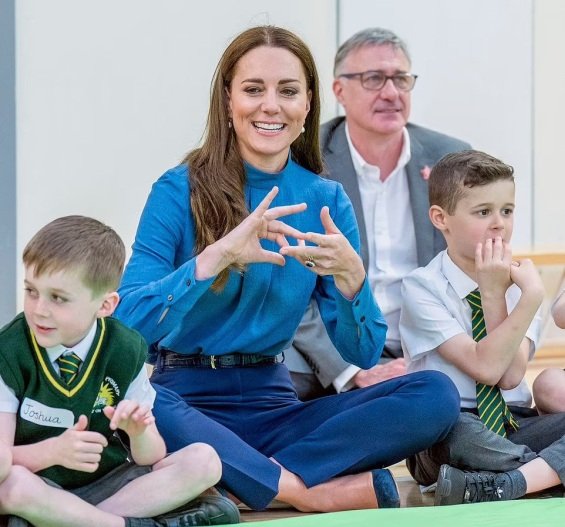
[181,294]
[141,390]
[361,307]
[344,381]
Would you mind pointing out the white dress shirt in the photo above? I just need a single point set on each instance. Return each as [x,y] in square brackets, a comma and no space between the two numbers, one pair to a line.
[391,239]
[434,309]
[391,236]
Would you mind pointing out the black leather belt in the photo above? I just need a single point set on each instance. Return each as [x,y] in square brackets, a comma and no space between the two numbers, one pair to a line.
[170,359]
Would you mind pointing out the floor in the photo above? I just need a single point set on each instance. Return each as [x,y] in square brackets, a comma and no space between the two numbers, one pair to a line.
[410,494]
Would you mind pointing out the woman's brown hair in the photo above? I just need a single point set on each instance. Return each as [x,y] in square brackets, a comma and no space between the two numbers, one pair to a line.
[216,170]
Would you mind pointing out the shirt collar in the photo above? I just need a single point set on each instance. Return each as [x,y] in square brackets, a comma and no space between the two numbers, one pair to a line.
[461,283]
[360,164]
[81,349]
[266,180]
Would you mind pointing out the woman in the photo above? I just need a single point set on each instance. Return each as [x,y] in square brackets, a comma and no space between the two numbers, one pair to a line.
[219,291]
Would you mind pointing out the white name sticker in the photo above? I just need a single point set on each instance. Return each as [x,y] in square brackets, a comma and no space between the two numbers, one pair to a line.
[42,415]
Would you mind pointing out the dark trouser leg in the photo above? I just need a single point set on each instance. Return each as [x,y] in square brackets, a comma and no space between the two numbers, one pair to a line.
[318,440]
[371,427]
[308,386]
[246,473]
[469,446]
[544,434]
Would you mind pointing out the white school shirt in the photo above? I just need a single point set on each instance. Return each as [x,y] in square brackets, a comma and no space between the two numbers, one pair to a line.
[391,239]
[139,390]
[434,309]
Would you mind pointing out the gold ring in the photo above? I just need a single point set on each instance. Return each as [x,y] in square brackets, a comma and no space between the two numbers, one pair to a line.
[310,262]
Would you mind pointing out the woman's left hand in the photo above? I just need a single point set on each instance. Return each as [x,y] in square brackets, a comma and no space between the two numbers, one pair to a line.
[331,255]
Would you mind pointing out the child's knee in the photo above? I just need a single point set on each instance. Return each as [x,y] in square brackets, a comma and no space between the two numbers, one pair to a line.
[442,397]
[203,461]
[549,379]
[19,490]
[549,391]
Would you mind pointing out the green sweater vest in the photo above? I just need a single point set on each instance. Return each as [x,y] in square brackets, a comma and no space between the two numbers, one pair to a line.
[48,405]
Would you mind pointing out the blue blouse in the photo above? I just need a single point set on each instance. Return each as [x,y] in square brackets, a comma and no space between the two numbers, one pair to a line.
[258,311]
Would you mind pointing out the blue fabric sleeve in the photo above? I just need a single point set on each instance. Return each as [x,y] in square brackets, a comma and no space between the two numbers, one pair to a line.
[155,295]
[356,327]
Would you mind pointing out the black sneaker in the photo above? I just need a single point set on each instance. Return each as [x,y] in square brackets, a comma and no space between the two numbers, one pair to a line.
[205,510]
[456,486]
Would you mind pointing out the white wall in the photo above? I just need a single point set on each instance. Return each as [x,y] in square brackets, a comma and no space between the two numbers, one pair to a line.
[549,106]
[474,61]
[112,93]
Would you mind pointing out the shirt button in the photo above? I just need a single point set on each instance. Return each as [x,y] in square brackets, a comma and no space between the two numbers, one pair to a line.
[356,303]
[188,282]
[362,319]
[170,298]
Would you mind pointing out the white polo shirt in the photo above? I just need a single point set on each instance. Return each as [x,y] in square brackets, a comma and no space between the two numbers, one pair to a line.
[434,309]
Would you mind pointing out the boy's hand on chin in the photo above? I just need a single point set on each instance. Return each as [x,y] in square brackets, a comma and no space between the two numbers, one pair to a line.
[526,276]
[493,260]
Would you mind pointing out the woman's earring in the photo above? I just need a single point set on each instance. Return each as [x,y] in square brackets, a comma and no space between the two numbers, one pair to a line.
[229,123]
[303,129]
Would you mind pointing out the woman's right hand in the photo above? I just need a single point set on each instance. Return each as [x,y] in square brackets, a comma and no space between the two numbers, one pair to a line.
[242,245]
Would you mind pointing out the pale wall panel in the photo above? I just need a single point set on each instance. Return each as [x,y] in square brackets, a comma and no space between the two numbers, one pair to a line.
[549,204]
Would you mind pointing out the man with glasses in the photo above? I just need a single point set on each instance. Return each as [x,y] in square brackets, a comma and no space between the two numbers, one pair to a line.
[383,162]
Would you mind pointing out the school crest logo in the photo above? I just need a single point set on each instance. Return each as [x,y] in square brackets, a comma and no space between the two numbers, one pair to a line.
[107,396]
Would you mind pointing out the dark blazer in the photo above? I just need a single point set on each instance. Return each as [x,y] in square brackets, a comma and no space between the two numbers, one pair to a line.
[312,349]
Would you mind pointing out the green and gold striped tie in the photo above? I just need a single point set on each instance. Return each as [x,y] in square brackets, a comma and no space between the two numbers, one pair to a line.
[490,404]
[69,366]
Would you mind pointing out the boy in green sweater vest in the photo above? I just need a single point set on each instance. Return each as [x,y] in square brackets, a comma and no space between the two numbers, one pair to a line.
[75,401]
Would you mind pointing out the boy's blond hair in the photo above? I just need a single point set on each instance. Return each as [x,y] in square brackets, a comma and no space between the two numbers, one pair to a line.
[466,169]
[80,244]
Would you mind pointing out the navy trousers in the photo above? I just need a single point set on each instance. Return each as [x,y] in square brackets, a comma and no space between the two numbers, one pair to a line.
[251,414]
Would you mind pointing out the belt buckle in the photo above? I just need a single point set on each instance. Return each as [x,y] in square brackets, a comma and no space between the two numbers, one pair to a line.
[213,361]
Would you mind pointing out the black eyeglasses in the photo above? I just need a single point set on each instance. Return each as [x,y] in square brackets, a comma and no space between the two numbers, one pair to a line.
[375,80]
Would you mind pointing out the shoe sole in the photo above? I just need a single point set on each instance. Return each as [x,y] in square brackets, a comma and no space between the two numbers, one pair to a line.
[443,488]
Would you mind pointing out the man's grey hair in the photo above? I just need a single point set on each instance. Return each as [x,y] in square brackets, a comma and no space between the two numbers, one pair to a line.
[373,36]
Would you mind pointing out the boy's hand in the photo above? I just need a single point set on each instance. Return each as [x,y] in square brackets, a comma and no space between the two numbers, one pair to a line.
[129,416]
[525,275]
[77,448]
[493,260]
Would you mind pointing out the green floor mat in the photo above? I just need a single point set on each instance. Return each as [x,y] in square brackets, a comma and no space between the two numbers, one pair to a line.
[520,513]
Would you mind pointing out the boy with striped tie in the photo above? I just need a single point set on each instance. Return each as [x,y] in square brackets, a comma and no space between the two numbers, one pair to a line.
[75,401]
[472,314]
